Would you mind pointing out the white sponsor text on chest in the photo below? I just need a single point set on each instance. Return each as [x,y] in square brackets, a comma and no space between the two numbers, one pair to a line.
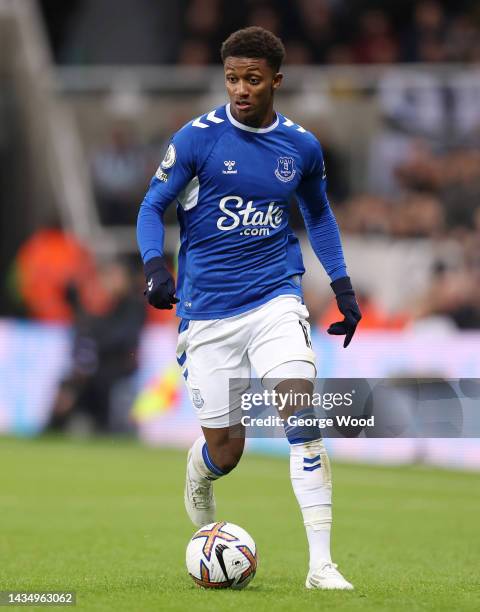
[256,222]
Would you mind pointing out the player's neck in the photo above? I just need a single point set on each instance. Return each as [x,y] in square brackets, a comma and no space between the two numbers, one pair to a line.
[256,122]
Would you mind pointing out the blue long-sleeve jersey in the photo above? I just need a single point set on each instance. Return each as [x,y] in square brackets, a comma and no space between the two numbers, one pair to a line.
[232,184]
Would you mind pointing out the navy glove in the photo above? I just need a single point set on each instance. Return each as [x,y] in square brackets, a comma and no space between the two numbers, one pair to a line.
[160,289]
[347,305]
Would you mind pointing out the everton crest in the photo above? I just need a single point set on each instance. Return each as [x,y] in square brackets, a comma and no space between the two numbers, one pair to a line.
[285,170]
[197,398]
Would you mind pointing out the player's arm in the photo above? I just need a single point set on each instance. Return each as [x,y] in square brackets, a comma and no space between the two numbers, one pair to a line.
[173,174]
[324,236]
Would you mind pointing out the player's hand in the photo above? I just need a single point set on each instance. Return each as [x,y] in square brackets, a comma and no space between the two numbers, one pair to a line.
[160,289]
[347,305]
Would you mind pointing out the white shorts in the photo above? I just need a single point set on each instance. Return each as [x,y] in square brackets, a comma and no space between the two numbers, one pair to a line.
[212,352]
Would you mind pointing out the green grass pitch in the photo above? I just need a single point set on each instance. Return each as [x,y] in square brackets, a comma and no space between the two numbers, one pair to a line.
[106,519]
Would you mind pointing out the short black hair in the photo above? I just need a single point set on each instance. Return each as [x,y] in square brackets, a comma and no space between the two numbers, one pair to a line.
[255,42]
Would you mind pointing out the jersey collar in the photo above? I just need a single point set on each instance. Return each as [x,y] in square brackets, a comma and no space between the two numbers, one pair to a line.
[247,128]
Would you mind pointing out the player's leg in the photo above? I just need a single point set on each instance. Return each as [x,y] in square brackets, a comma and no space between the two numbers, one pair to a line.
[282,355]
[224,447]
[309,470]
[210,354]
[211,456]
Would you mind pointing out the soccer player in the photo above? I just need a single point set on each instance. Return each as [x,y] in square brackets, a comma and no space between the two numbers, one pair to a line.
[232,172]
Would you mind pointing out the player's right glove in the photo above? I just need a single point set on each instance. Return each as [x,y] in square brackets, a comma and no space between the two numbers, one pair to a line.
[347,305]
[160,289]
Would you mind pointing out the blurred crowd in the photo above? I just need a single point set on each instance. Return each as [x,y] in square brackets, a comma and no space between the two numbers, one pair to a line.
[56,279]
[423,161]
[314,31]
[440,199]
[422,170]
[340,31]
[121,167]
[421,186]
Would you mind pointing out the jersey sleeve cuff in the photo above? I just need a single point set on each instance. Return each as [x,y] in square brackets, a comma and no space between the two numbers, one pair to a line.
[338,273]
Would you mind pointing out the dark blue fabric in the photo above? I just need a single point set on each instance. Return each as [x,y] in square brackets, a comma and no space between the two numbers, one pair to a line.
[302,433]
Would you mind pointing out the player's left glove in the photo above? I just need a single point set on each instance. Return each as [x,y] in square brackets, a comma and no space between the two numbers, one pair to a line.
[160,289]
[347,305]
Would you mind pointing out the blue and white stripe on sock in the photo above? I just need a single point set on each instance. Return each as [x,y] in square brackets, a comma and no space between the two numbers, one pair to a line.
[300,434]
[209,463]
[310,464]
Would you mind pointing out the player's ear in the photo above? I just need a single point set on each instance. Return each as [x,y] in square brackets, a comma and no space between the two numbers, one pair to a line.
[277,80]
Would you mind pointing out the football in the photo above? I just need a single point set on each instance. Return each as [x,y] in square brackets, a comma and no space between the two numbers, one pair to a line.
[221,556]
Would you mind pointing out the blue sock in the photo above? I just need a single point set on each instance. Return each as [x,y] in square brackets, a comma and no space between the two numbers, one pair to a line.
[301,433]
[209,463]
[201,464]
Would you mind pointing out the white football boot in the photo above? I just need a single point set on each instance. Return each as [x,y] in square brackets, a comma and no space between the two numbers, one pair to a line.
[326,576]
[199,498]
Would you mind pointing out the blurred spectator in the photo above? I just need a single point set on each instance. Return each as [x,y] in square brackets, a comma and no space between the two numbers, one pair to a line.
[316,21]
[201,33]
[202,18]
[297,53]
[120,171]
[412,106]
[375,42]
[453,295]
[265,16]
[431,51]
[365,214]
[46,264]
[416,215]
[412,103]
[194,52]
[465,117]
[428,30]
[104,356]
[455,177]
[339,54]
[462,36]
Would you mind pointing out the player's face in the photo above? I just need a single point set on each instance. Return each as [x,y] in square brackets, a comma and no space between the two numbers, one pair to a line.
[251,83]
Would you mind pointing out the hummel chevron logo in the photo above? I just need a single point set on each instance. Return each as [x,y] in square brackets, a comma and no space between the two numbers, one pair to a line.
[198,123]
[311,459]
[289,123]
[311,463]
[210,117]
[150,284]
